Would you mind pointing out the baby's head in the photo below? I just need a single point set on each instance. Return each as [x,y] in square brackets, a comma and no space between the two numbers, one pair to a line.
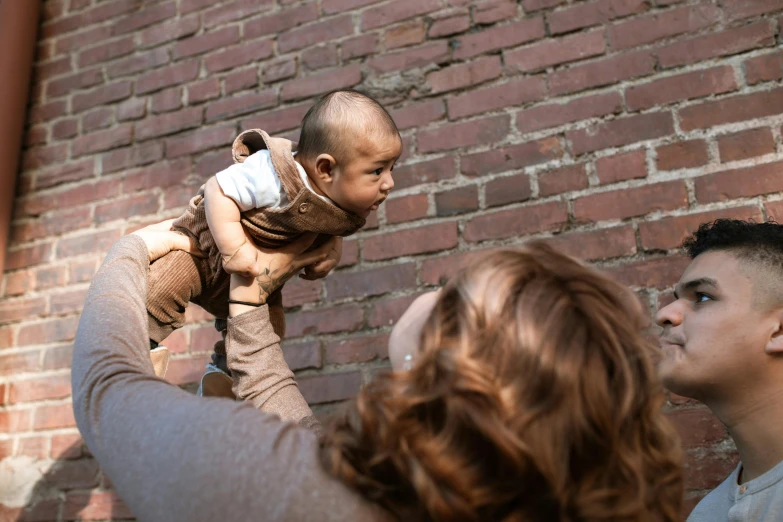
[348,147]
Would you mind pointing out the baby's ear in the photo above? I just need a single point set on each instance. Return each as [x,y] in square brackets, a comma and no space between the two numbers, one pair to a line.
[324,167]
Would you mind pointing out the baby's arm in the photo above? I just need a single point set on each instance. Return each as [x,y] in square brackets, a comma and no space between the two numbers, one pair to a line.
[239,256]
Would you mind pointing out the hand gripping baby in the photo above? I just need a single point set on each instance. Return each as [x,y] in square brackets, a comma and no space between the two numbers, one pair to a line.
[340,172]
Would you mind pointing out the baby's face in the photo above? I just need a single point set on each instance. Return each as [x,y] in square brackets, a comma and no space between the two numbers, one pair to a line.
[365,180]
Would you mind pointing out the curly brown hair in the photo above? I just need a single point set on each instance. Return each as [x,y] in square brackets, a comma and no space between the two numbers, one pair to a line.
[533,398]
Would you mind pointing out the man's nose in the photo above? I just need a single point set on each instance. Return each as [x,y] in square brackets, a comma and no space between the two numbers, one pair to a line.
[669,315]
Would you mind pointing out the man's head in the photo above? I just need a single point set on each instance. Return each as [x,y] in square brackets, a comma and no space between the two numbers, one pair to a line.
[349,145]
[723,334]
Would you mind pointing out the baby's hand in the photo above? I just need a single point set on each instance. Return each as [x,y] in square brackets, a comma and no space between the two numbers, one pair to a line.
[322,268]
[243,262]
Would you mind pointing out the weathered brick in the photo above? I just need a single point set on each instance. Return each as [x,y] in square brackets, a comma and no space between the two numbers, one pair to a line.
[418,114]
[17,283]
[654,27]
[455,135]
[48,331]
[491,11]
[103,95]
[87,243]
[431,52]
[138,205]
[312,34]
[167,101]
[557,51]
[281,21]
[102,140]
[129,157]
[516,222]
[145,17]
[739,183]
[228,12]
[739,9]
[764,68]
[203,90]
[371,282]
[746,144]
[359,46]
[397,11]
[405,34]
[424,172]
[27,256]
[168,123]
[96,505]
[412,241]
[682,155]
[320,56]
[322,82]
[696,84]
[14,421]
[387,312]
[200,140]
[535,5]
[170,30]
[656,273]
[512,157]
[279,120]
[39,157]
[132,109]
[238,105]
[606,71]
[67,302]
[48,277]
[563,179]
[206,42]
[730,41]
[630,202]
[464,75]
[346,318]
[65,129]
[303,355]
[556,114]
[669,233]
[591,13]
[407,208]
[177,74]
[106,51]
[40,388]
[456,201]
[240,81]
[448,25]
[621,167]
[12,311]
[338,6]
[330,387]
[67,84]
[604,243]
[97,119]
[622,131]
[499,37]
[239,55]
[515,92]
[357,349]
[508,189]
[58,358]
[732,110]
[698,427]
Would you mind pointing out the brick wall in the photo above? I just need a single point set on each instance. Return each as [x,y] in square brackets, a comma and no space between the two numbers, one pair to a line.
[612,126]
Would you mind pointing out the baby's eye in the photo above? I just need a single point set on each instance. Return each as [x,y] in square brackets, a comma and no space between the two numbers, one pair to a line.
[379,171]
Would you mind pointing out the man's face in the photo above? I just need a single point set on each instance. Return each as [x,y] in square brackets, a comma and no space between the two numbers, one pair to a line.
[714,333]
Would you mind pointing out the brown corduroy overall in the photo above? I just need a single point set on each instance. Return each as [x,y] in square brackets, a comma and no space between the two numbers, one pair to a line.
[178,277]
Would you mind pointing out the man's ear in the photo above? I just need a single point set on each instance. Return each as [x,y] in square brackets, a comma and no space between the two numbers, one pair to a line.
[324,167]
[775,344]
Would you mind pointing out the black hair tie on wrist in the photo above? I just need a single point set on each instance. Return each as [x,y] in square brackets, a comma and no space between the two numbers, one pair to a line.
[232,301]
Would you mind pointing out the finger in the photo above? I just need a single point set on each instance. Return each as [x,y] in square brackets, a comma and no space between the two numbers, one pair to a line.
[183,242]
[163,225]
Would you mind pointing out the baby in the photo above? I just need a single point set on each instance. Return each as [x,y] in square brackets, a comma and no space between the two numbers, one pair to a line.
[341,171]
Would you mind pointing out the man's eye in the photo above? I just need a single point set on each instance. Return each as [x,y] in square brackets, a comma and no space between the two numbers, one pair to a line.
[702,298]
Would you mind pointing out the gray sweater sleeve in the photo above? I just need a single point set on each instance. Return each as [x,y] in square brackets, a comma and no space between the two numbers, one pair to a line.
[173,456]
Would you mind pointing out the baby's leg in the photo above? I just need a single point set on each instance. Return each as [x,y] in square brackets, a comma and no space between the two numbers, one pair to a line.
[173,281]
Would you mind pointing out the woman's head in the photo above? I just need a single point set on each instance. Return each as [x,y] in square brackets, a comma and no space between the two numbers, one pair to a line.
[532,396]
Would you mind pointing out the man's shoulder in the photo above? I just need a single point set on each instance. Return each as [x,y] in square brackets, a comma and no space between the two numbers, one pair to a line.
[716,505]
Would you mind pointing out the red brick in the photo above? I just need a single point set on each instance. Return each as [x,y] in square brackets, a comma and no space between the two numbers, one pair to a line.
[177,74]
[455,135]
[630,202]
[50,277]
[604,243]
[357,349]
[621,167]
[320,56]
[330,387]
[347,318]
[387,312]
[65,173]
[66,446]
[168,123]
[456,201]
[200,141]
[37,448]
[81,271]
[239,55]
[14,421]
[682,155]
[303,355]
[27,256]
[739,9]
[188,6]
[58,358]
[447,25]
[53,68]
[12,311]
[132,109]
[746,144]
[21,362]
[41,388]
[300,291]
[17,283]
[607,71]
[126,158]
[206,42]
[35,135]
[281,20]
[512,157]
[203,90]
[669,233]
[67,84]
[338,6]
[241,80]
[397,11]
[554,52]
[104,95]
[186,371]
[65,129]
[657,273]
[739,183]
[74,474]
[170,30]
[371,282]
[535,5]
[99,13]
[140,205]
[517,222]
[322,82]
[499,37]
[706,472]
[764,68]
[350,253]
[52,417]
[87,243]
[621,132]
[654,27]
[48,331]
[593,13]
[731,41]
[698,427]
[403,35]
[312,34]
[424,172]
[555,114]
[221,14]
[166,101]
[412,241]
[515,92]
[67,302]
[732,110]
[408,208]
[774,210]
[696,84]
[436,271]
[238,105]
[418,114]
[38,157]
[492,11]
[508,189]
[106,51]
[432,52]
[97,119]
[359,46]
[102,140]
[564,179]
[46,112]
[145,17]
[95,506]
[464,74]
[73,42]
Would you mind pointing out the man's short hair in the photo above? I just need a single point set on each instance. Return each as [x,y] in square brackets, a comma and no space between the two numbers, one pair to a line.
[324,125]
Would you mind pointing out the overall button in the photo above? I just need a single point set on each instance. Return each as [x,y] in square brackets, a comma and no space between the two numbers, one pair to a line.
[303,208]
[743,489]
